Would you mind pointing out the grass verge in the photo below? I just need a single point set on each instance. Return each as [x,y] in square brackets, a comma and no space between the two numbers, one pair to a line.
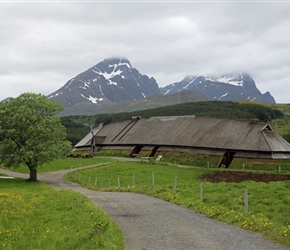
[269,203]
[36,216]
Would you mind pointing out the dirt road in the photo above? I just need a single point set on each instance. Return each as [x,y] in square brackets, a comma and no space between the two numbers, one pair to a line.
[149,223]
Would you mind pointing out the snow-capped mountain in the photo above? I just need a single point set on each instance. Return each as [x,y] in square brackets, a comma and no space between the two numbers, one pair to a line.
[113,80]
[221,88]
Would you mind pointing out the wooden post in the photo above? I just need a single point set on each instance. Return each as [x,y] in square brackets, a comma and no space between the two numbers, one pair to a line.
[201,192]
[175,183]
[246,200]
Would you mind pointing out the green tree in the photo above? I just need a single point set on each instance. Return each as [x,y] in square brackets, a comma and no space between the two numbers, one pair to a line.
[31,132]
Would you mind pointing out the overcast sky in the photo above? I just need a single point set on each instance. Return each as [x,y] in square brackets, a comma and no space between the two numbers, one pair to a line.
[44,44]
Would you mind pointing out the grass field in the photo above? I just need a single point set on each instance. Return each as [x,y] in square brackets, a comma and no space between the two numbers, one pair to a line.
[36,216]
[269,204]
[65,163]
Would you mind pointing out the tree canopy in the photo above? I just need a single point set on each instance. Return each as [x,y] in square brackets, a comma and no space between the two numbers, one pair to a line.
[31,132]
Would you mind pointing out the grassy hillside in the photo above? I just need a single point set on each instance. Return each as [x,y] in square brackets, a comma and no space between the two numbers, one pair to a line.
[88,108]
[154,102]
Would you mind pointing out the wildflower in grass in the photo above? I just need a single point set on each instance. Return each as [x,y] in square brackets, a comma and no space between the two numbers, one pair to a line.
[286,231]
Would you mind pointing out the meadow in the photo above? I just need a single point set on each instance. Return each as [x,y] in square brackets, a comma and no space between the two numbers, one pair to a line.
[36,216]
[64,163]
[269,203]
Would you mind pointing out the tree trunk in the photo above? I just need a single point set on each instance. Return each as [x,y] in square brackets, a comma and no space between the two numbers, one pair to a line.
[33,174]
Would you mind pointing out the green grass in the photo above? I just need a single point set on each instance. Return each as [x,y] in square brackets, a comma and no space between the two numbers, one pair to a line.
[269,204]
[36,216]
[64,163]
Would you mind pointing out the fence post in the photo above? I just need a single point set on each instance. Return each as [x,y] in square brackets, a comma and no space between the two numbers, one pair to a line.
[201,192]
[243,166]
[246,200]
[175,183]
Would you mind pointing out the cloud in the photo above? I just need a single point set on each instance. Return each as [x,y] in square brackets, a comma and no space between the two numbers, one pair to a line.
[44,44]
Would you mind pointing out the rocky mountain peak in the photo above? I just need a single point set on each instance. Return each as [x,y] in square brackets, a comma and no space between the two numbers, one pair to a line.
[224,87]
[112,80]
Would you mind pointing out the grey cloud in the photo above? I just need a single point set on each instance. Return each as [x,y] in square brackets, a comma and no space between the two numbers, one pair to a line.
[43,45]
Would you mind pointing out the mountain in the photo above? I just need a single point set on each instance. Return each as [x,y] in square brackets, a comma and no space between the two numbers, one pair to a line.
[114,85]
[111,81]
[221,88]
[6,99]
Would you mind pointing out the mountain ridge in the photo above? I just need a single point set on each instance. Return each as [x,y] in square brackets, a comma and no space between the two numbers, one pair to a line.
[114,83]
[226,87]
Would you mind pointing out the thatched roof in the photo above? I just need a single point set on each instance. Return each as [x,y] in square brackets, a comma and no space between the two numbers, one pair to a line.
[203,133]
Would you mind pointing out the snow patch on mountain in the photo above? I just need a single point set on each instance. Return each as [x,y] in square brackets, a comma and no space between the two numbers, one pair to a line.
[109,76]
[229,79]
[224,95]
[120,64]
[190,82]
[94,100]
[85,86]
[69,83]
[56,94]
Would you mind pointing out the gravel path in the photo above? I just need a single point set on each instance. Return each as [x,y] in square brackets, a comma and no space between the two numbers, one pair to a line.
[149,223]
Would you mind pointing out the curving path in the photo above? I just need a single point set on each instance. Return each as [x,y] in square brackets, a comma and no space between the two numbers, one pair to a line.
[149,223]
